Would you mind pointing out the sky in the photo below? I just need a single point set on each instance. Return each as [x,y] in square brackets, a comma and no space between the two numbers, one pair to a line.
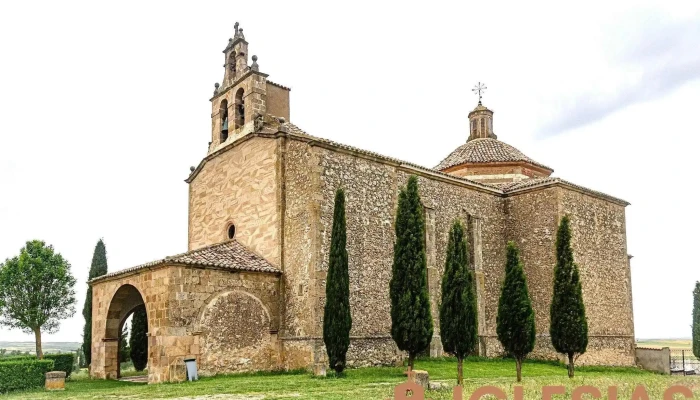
[104,107]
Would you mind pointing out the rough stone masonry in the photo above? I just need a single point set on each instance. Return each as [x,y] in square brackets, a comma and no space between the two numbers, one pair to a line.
[249,293]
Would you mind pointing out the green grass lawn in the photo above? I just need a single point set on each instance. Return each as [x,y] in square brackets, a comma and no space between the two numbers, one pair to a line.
[372,383]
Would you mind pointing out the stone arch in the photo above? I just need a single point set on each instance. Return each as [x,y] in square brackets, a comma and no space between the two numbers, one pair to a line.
[234,328]
[123,303]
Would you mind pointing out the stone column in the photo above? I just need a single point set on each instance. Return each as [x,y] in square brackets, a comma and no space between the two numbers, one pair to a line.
[111,358]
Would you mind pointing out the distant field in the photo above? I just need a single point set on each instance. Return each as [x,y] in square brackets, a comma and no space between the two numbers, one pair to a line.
[47,347]
[672,343]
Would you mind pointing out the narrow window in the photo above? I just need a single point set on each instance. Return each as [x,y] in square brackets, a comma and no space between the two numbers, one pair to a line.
[483,129]
[223,114]
[231,231]
[240,109]
[473,127]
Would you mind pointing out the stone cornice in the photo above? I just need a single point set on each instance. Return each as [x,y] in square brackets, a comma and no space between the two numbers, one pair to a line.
[237,81]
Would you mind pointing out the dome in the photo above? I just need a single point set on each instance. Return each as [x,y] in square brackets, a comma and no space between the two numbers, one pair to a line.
[483,151]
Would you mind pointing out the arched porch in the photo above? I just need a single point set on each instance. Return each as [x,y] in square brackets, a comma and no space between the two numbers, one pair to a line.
[125,301]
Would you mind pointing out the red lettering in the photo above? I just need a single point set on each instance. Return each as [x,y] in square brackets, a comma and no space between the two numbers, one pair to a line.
[677,389]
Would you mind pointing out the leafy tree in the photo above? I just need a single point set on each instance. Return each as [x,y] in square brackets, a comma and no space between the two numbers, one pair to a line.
[568,326]
[458,312]
[337,320]
[515,322]
[97,268]
[696,320]
[124,350]
[138,341]
[411,322]
[36,291]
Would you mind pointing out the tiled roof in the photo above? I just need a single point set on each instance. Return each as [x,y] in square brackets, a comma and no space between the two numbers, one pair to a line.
[485,150]
[229,255]
[278,85]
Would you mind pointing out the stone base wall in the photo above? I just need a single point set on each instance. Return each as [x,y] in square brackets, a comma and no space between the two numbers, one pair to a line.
[602,350]
[370,351]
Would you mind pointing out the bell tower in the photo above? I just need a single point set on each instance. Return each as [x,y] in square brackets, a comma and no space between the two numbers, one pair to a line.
[244,95]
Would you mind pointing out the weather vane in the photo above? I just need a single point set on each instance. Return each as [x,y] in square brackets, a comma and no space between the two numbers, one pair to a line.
[479,89]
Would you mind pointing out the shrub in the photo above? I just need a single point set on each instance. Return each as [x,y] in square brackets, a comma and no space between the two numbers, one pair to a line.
[17,358]
[23,374]
[62,362]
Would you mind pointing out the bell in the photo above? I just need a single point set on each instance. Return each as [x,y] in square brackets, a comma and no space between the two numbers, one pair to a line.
[224,127]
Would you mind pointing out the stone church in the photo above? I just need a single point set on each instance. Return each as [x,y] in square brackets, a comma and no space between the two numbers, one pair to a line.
[249,292]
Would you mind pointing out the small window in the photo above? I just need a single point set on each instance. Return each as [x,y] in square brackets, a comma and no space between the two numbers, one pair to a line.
[231,231]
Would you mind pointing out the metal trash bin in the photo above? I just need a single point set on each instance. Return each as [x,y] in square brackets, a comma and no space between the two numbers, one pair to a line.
[191,364]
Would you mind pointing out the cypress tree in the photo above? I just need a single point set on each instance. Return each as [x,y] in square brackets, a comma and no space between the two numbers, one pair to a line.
[568,325]
[138,341]
[411,322]
[337,320]
[458,312]
[696,320]
[124,345]
[97,268]
[515,322]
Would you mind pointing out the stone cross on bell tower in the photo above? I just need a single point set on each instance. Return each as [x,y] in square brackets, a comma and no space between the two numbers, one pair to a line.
[481,118]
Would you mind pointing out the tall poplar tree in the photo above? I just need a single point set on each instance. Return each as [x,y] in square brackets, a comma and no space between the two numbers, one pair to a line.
[97,268]
[458,312]
[411,322]
[337,320]
[696,320]
[515,322]
[138,341]
[568,326]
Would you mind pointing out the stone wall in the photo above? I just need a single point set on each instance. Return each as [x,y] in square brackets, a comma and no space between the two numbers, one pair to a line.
[313,173]
[657,360]
[277,101]
[600,250]
[599,245]
[238,186]
[233,315]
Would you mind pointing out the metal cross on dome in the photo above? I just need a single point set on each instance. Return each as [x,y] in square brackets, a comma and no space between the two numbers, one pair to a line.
[479,89]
